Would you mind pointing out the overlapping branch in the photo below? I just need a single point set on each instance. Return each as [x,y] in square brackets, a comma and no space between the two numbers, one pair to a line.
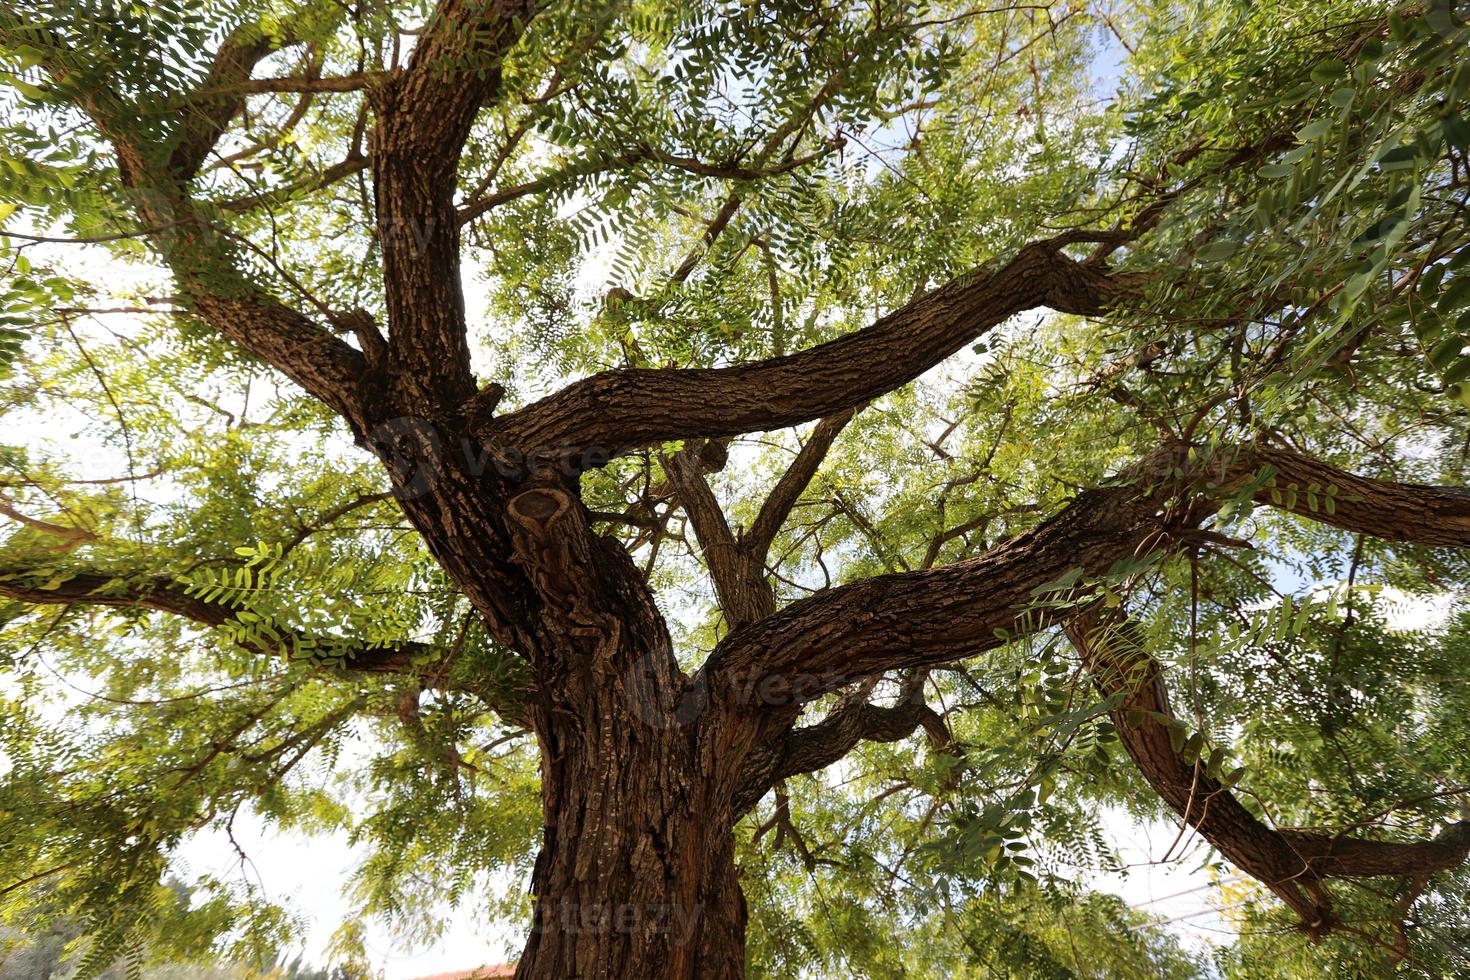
[940,615]
[641,154]
[737,564]
[855,720]
[933,615]
[936,616]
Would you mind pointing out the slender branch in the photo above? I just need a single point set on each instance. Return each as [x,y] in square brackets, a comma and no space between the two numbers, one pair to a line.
[71,536]
[354,163]
[331,515]
[165,595]
[642,154]
[713,230]
[793,482]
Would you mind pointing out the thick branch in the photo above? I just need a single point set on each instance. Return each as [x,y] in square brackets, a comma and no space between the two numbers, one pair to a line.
[202,260]
[1292,863]
[1417,513]
[284,338]
[163,595]
[423,119]
[619,410]
[217,102]
[938,615]
[933,616]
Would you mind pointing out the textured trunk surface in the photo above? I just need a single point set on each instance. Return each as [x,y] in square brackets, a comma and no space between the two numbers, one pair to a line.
[636,873]
[636,876]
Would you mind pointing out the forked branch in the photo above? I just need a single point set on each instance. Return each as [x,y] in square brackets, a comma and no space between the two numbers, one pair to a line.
[423,119]
[737,563]
[617,411]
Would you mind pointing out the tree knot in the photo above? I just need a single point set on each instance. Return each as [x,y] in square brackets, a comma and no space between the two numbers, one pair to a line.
[538,508]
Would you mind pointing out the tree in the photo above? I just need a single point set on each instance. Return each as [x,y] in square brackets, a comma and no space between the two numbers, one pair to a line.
[1128,550]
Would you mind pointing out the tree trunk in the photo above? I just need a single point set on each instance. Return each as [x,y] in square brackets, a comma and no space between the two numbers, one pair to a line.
[636,875]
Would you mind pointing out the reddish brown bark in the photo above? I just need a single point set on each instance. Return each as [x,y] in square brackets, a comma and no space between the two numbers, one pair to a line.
[1428,515]
[618,410]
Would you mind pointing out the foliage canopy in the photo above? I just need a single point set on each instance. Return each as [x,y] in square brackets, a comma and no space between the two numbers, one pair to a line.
[227,223]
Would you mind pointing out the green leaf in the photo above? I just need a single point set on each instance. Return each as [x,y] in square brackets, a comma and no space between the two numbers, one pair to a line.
[1314,130]
[1328,70]
[1218,251]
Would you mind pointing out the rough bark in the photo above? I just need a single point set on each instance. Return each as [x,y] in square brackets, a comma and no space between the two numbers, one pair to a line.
[1292,863]
[423,119]
[1428,515]
[635,782]
[619,410]
[645,770]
